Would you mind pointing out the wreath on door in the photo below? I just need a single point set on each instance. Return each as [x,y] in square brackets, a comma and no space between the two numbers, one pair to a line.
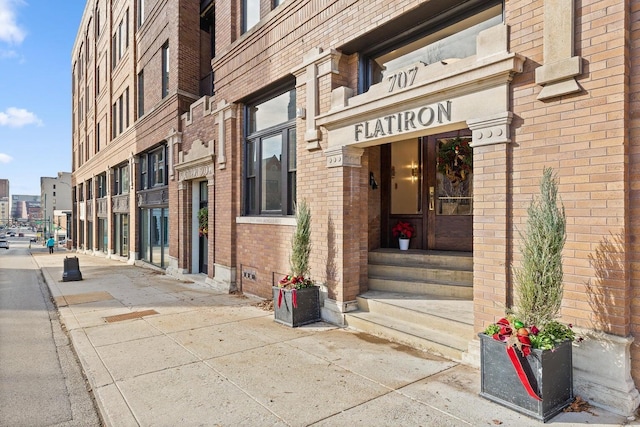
[455,159]
[203,222]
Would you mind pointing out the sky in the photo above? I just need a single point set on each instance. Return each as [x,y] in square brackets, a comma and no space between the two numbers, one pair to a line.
[36,39]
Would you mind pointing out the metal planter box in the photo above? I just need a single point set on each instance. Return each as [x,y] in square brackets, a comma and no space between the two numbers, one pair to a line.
[307,310]
[550,373]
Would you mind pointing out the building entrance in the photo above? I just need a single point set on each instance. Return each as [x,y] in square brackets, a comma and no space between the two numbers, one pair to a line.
[428,182]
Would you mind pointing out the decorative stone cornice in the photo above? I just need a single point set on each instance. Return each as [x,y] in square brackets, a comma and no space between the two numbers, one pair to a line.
[346,156]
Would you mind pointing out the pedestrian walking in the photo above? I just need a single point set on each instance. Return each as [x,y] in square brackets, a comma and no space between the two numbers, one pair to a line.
[50,244]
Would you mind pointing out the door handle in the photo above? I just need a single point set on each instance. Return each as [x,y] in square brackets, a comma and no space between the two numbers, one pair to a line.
[432,195]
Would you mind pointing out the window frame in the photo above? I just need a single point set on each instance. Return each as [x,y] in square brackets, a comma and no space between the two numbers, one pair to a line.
[165,70]
[245,25]
[141,93]
[432,25]
[253,168]
[154,168]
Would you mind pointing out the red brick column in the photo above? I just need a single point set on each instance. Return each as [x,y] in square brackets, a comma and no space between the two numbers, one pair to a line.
[349,216]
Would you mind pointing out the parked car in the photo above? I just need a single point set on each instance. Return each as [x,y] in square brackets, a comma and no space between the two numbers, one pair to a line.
[20,234]
[33,239]
[4,244]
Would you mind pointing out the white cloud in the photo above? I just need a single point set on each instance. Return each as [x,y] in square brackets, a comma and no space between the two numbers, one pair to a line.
[10,31]
[18,117]
[5,158]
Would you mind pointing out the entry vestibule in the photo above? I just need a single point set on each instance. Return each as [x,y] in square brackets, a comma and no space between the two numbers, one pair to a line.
[428,182]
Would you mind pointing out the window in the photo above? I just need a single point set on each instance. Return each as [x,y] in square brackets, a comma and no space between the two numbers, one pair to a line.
[126,29]
[153,169]
[250,14]
[120,39]
[102,185]
[270,175]
[157,168]
[121,179]
[97,20]
[126,108]
[98,80]
[140,13]
[165,70]
[141,94]
[277,3]
[89,189]
[144,182]
[114,50]
[120,113]
[436,41]
[114,122]
[207,34]
[97,137]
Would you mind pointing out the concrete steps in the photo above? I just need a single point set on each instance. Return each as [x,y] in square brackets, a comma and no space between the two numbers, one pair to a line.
[420,299]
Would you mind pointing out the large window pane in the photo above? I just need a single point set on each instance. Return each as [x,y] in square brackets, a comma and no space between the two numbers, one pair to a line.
[275,111]
[124,180]
[456,41]
[271,176]
[405,177]
[250,14]
[125,235]
[164,261]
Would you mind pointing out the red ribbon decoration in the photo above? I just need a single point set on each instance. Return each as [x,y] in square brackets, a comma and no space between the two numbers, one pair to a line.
[294,298]
[522,375]
[280,297]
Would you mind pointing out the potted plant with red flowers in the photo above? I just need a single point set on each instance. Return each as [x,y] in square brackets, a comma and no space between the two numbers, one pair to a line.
[404,231]
[296,297]
[526,357]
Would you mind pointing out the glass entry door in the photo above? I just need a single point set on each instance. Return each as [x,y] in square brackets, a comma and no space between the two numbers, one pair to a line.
[431,186]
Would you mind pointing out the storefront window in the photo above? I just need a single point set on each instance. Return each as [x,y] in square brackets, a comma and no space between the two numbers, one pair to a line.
[154,236]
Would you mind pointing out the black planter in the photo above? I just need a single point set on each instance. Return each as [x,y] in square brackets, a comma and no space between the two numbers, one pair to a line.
[550,373]
[307,309]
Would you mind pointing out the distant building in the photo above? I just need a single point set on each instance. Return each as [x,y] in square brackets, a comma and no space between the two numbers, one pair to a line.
[22,206]
[4,188]
[55,194]
[5,205]
[4,211]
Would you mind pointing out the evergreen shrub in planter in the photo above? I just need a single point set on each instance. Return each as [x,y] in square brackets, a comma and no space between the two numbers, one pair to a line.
[525,358]
[296,298]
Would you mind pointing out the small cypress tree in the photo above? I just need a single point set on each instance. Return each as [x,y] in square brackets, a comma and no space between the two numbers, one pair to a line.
[301,241]
[539,284]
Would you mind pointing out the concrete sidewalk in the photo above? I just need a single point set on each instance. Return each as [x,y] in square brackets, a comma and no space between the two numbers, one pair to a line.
[158,351]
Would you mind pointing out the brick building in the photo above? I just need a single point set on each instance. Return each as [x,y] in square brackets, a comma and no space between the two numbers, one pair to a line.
[235,109]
